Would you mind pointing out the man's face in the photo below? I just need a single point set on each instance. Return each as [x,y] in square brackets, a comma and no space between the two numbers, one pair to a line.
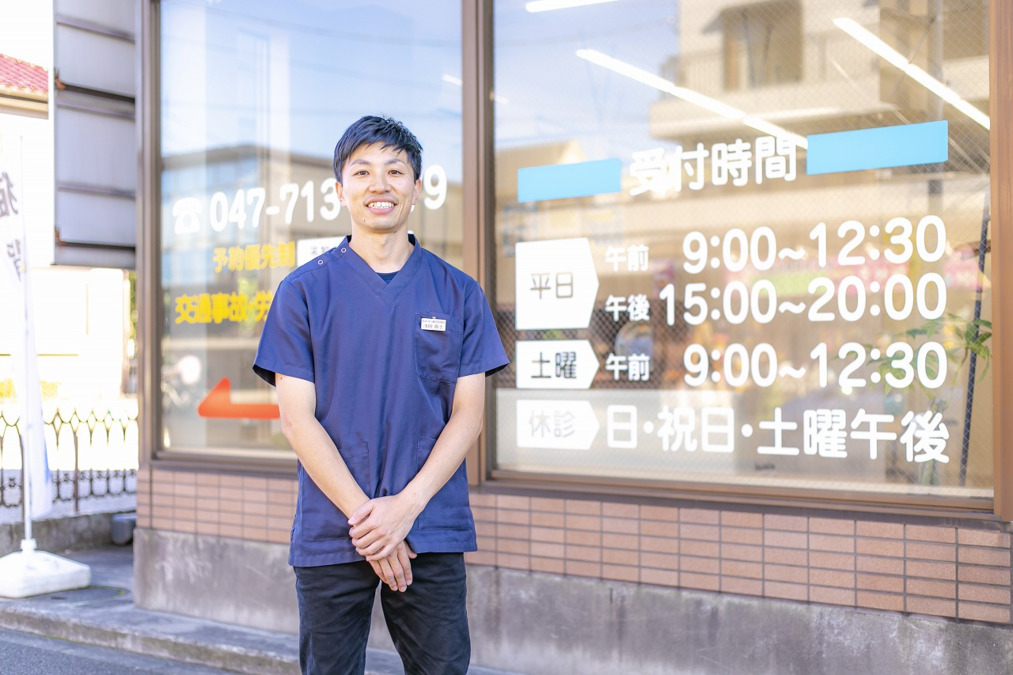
[378,188]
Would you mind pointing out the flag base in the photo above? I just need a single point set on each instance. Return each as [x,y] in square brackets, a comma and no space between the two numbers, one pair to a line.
[30,572]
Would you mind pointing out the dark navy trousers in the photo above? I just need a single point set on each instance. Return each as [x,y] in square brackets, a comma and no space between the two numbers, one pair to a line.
[428,622]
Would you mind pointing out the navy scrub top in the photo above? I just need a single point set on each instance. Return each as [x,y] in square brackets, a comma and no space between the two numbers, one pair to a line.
[385,358]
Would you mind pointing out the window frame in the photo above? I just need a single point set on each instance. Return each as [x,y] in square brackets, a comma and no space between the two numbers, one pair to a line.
[1001,204]
[478,250]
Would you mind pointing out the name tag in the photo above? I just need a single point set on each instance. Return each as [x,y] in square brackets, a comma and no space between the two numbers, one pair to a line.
[434,324]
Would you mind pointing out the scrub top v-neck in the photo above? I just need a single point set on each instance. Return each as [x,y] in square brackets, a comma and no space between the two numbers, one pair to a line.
[385,359]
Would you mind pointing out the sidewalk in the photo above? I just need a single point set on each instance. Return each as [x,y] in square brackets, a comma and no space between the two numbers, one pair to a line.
[104,615]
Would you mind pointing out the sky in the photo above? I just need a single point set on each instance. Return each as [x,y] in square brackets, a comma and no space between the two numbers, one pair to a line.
[26,31]
[316,66]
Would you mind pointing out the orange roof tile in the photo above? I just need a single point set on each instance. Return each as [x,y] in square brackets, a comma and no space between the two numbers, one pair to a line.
[18,74]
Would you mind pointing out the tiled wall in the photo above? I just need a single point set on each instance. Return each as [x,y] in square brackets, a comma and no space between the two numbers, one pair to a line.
[959,570]
[226,505]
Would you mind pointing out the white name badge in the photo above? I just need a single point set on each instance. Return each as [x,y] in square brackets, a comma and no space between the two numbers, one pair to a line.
[434,324]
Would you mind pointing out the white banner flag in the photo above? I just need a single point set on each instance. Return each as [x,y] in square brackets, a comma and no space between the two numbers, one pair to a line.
[16,292]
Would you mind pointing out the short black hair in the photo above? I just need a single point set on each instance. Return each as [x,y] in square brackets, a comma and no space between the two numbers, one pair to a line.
[374,129]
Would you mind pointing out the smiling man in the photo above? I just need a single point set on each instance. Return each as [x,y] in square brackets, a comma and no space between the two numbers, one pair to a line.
[379,351]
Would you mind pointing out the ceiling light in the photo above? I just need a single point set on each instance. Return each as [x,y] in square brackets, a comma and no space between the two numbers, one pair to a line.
[896,59]
[688,95]
[549,5]
[458,82]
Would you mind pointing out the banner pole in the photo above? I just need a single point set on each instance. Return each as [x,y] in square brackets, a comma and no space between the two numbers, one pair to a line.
[29,571]
[28,543]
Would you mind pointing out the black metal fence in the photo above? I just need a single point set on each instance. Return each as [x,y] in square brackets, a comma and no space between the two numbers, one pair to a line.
[94,452]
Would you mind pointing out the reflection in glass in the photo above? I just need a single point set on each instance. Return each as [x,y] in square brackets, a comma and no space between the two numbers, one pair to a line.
[792,276]
[254,96]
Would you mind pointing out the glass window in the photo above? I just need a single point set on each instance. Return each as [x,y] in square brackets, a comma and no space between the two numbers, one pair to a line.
[254,97]
[745,244]
[763,44]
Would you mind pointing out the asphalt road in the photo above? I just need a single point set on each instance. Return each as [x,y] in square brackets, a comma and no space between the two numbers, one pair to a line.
[24,654]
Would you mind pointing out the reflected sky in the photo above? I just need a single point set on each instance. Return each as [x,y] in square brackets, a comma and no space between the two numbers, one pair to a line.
[553,95]
[293,75]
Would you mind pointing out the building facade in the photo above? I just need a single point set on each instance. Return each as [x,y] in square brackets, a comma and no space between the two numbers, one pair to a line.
[67,145]
[745,258]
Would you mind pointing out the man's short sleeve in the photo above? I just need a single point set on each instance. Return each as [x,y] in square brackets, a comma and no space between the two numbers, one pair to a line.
[483,350]
[285,343]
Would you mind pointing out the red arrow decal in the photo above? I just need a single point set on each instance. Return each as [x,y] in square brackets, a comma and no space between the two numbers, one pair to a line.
[218,403]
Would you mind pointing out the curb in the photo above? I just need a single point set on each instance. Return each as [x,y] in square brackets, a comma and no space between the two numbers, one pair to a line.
[196,643]
[104,615]
[115,623]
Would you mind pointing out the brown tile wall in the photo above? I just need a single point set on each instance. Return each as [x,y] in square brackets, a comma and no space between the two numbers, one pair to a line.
[957,572]
[227,505]
[941,570]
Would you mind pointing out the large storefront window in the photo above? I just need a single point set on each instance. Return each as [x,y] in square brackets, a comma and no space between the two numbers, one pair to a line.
[745,244]
[254,95]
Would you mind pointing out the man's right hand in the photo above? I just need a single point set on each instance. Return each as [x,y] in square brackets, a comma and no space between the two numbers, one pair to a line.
[396,569]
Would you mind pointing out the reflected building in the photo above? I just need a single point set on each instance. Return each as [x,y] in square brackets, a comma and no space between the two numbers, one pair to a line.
[725,174]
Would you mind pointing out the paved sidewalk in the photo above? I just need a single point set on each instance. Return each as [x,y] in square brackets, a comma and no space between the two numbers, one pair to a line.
[104,615]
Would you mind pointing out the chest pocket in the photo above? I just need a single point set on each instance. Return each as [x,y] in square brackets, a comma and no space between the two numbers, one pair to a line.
[439,339]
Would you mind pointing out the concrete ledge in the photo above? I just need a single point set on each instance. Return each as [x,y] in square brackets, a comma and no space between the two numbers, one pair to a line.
[541,623]
[64,533]
[211,578]
[233,581]
[537,623]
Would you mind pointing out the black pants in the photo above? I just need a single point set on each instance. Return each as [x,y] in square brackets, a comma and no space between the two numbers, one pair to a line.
[428,622]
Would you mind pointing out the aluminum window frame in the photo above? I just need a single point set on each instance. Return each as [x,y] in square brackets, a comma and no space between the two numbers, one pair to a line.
[478,242]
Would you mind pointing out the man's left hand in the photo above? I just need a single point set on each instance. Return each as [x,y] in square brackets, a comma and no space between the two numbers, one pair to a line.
[379,525]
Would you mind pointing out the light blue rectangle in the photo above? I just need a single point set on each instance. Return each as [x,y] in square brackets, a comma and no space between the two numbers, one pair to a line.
[878,148]
[562,181]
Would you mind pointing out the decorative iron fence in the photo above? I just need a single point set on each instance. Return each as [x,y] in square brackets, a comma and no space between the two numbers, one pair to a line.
[92,454]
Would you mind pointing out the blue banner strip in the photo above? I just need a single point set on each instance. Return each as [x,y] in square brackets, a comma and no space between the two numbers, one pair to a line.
[562,181]
[878,148]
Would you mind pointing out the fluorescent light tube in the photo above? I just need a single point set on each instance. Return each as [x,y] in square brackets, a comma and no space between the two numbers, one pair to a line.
[549,5]
[896,59]
[696,98]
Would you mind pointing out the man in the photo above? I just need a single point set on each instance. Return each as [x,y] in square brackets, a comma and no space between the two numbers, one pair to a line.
[379,351]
